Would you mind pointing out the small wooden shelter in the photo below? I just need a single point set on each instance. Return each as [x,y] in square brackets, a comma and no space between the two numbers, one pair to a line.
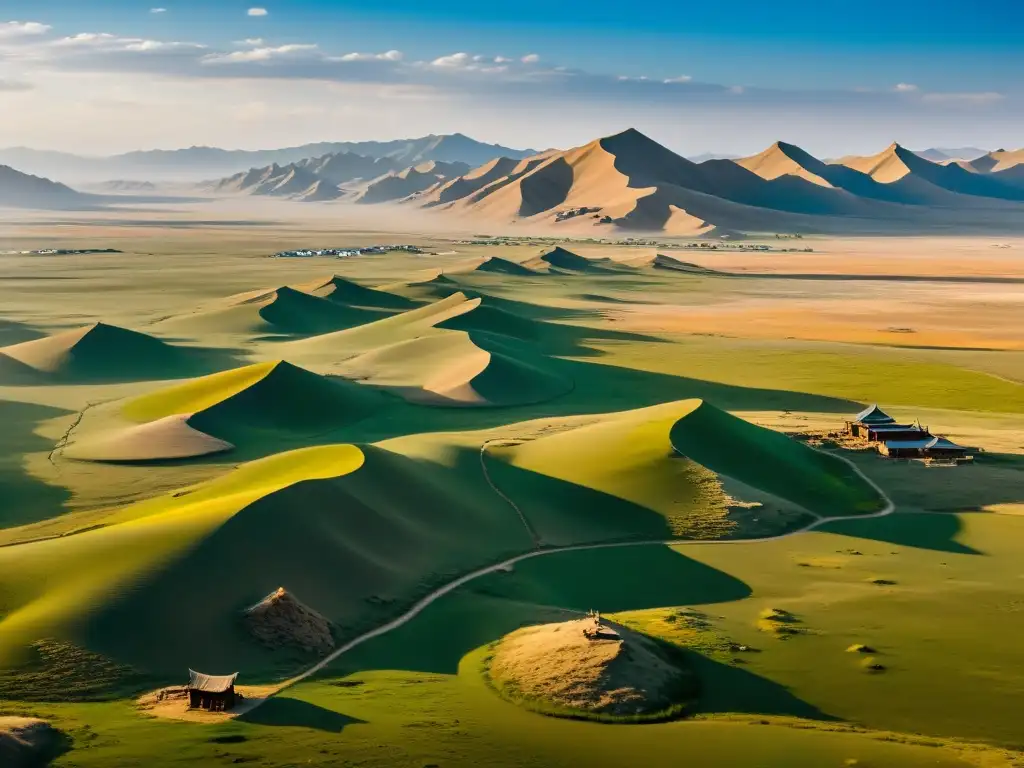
[213,692]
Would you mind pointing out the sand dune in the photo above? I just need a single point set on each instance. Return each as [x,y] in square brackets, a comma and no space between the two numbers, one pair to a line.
[409,181]
[214,413]
[897,164]
[558,260]
[352,294]
[459,369]
[281,311]
[503,267]
[99,352]
[168,438]
[628,181]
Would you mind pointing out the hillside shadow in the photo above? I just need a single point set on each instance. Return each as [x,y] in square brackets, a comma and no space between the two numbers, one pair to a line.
[286,712]
[24,498]
[922,530]
[725,689]
[553,588]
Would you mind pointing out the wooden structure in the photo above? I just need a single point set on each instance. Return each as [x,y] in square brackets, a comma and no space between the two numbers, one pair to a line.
[872,416]
[929,448]
[213,692]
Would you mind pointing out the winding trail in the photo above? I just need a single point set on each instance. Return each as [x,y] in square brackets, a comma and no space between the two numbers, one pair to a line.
[451,586]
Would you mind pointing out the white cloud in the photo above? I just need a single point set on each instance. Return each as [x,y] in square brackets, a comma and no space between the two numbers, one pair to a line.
[530,58]
[386,56]
[10,30]
[905,88]
[158,10]
[679,79]
[260,54]
[501,60]
[452,61]
[257,12]
[254,41]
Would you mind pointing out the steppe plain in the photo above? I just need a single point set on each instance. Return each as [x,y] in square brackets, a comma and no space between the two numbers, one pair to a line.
[460,418]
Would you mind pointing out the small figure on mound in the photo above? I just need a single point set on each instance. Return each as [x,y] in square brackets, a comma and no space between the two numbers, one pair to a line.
[598,631]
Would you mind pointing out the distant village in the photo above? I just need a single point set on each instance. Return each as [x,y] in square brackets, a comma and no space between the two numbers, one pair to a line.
[59,251]
[342,253]
[723,245]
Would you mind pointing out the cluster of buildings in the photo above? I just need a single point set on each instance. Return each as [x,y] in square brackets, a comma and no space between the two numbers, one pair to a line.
[902,441]
[572,213]
[342,253]
[59,251]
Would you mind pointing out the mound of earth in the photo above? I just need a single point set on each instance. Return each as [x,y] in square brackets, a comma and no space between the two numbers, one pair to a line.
[281,619]
[100,352]
[28,742]
[564,669]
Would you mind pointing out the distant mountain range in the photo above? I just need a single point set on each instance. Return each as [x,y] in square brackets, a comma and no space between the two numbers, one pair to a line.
[197,163]
[21,190]
[629,181]
[943,154]
[343,175]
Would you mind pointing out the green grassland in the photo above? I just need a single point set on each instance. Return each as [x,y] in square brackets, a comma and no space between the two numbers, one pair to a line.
[367,438]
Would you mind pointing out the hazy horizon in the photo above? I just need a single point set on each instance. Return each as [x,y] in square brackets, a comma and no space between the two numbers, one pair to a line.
[102,79]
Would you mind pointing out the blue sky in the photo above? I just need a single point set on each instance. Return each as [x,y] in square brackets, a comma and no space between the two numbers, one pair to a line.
[842,74]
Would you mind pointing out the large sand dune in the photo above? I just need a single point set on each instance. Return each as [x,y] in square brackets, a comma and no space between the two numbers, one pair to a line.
[628,181]
[215,413]
[98,352]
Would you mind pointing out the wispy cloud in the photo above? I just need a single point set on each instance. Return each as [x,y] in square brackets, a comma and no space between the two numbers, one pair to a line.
[158,10]
[905,88]
[257,12]
[10,30]
[530,58]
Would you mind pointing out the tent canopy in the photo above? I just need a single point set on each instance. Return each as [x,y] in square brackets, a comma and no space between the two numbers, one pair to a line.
[197,681]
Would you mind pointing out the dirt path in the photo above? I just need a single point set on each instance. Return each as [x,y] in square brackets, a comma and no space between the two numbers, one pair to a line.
[534,536]
[504,565]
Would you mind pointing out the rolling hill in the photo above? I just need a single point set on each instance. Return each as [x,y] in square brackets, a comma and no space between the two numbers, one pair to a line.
[681,468]
[178,569]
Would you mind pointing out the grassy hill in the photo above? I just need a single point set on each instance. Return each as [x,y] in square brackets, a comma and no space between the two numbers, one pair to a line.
[161,584]
[678,469]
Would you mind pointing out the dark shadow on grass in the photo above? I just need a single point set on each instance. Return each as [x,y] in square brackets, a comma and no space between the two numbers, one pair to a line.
[286,712]
[725,689]
[551,588]
[935,531]
[23,498]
